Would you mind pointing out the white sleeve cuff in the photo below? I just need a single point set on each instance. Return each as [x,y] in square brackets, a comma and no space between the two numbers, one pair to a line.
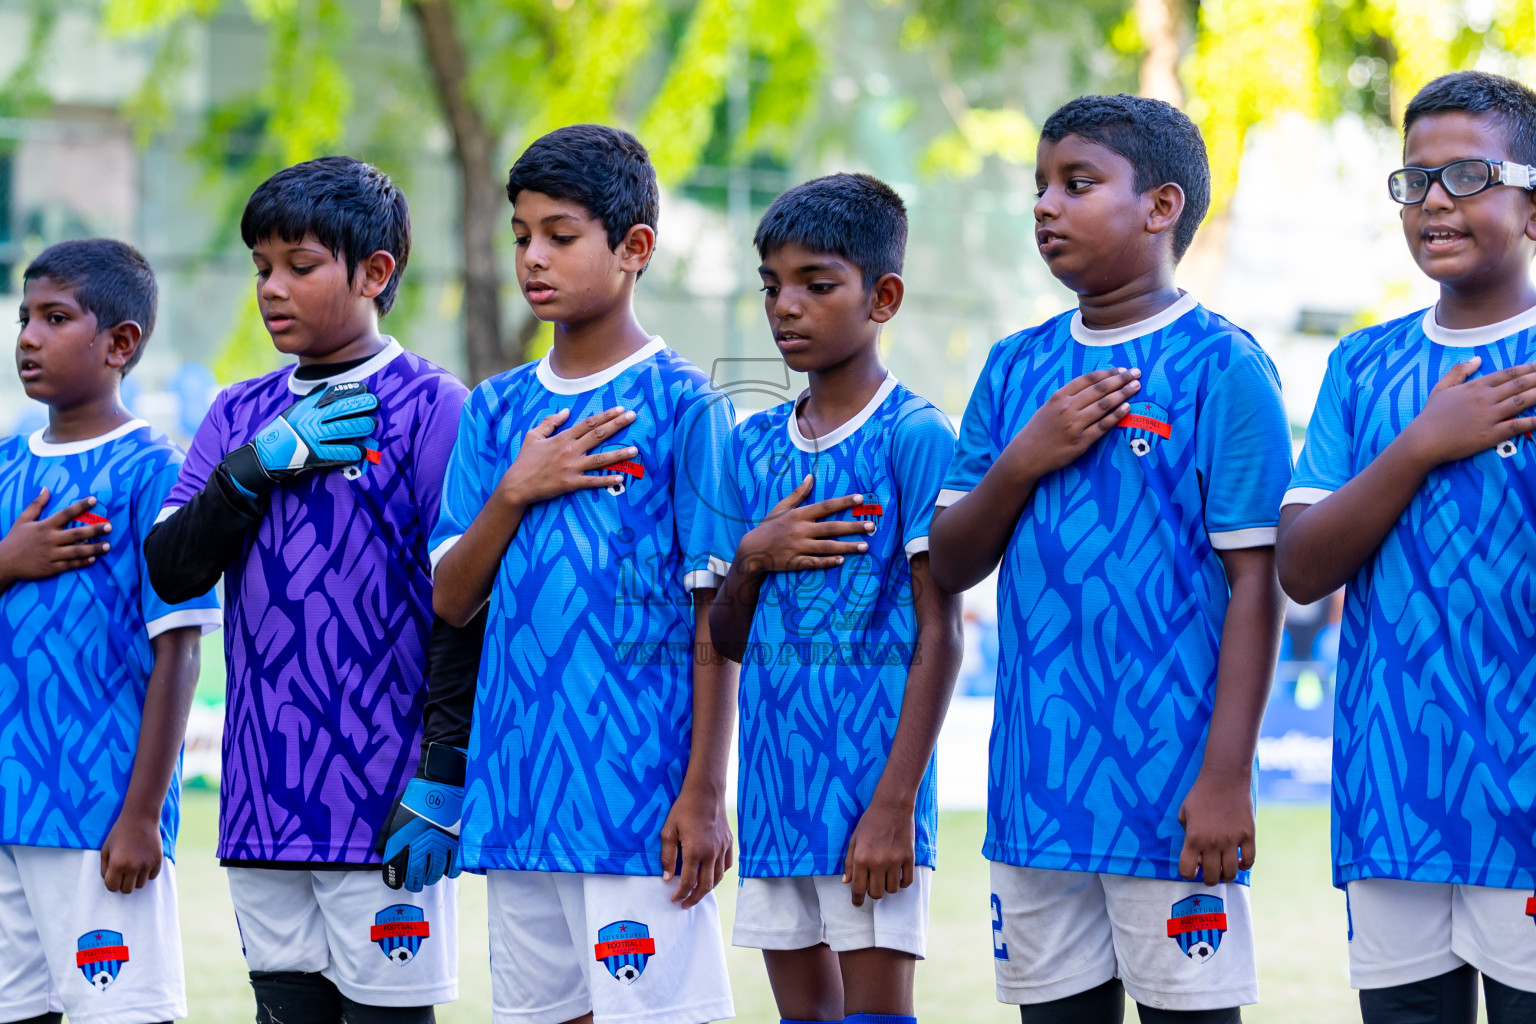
[916,546]
[208,619]
[441,550]
[166,513]
[719,566]
[701,579]
[948,498]
[1304,496]
[1232,540]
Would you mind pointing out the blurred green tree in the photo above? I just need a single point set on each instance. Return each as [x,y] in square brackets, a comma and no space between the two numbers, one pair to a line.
[501,72]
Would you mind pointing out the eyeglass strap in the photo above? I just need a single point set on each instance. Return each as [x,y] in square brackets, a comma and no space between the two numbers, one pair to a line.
[1519,175]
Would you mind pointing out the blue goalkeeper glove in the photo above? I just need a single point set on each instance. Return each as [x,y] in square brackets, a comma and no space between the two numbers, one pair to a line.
[420,844]
[322,430]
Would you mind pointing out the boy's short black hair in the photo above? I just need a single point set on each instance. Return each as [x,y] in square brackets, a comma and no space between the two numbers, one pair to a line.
[350,207]
[1158,139]
[1511,104]
[110,279]
[604,169]
[855,216]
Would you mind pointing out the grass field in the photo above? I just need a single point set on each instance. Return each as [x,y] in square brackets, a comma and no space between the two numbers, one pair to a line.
[1300,920]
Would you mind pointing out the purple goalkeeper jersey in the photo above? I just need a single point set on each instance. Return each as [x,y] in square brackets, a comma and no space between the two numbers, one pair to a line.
[327,612]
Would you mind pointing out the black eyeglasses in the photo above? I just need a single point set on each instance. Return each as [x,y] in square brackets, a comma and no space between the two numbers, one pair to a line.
[1460,178]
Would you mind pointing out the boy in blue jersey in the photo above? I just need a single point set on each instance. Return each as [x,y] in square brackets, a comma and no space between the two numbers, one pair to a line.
[96,671]
[849,650]
[1125,464]
[313,490]
[594,796]
[1417,492]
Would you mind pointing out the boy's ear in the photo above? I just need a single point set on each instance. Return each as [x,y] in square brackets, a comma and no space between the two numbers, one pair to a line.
[636,248]
[1165,206]
[1530,214]
[374,271]
[886,297]
[122,342]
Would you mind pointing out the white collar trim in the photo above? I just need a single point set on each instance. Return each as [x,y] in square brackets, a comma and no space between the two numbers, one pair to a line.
[843,432]
[1086,335]
[362,371]
[592,381]
[38,446]
[1471,337]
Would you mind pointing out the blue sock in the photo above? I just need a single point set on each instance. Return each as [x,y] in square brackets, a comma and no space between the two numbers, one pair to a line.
[879,1018]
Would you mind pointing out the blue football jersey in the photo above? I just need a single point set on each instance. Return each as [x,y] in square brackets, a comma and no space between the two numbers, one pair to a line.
[826,670]
[75,653]
[1434,737]
[1111,593]
[583,710]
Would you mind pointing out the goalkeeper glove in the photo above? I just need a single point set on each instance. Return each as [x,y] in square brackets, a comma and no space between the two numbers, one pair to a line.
[420,844]
[322,430]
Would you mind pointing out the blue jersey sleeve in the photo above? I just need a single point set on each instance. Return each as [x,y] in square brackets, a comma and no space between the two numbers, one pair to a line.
[703,425]
[1325,463]
[436,432]
[469,478]
[1243,446]
[726,523]
[924,448]
[976,450]
[159,616]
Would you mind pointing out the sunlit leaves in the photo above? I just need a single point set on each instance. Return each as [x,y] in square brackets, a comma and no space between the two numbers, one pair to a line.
[1006,134]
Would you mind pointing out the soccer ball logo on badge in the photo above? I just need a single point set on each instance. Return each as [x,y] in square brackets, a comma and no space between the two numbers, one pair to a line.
[1197,925]
[400,930]
[625,467]
[100,957]
[625,947]
[1510,446]
[1146,423]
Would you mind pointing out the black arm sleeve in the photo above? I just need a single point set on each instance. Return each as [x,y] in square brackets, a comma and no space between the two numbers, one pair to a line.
[188,551]
[453,666]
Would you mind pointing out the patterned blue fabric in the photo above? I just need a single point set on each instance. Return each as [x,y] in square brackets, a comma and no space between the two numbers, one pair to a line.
[75,653]
[1434,747]
[822,685]
[584,705]
[1111,593]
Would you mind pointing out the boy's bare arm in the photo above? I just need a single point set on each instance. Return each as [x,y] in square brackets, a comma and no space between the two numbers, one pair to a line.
[1217,814]
[882,851]
[968,537]
[1322,546]
[547,465]
[131,854]
[791,537]
[696,837]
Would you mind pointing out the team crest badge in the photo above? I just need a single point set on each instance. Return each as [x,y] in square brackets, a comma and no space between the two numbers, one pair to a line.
[100,957]
[91,519]
[400,930]
[626,468]
[372,456]
[1146,424]
[625,947]
[869,512]
[1197,925]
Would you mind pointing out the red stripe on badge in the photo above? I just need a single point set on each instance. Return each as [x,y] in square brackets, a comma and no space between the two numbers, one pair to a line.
[869,510]
[622,947]
[634,469]
[399,930]
[90,519]
[100,954]
[372,456]
[1135,422]
[1197,923]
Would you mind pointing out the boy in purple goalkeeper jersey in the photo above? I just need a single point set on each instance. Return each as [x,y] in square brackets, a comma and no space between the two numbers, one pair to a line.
[313,491]
[595,792]
[96,671]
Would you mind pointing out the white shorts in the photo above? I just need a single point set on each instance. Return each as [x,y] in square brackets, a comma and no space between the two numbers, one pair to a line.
[564,944]
[794,913]
[67,944]
[379,946]
[1401,932]
[1174,945]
